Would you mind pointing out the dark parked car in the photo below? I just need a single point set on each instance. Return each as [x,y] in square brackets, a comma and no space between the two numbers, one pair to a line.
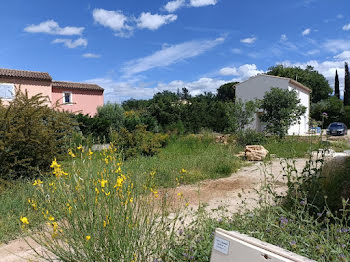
[337,129]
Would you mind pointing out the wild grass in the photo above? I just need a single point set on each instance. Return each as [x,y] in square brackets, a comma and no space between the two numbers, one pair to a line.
[293,146]
[100,213]
[200,156]
[322,236]
[13,204]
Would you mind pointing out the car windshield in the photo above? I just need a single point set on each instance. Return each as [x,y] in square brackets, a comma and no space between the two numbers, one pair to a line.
[335,125]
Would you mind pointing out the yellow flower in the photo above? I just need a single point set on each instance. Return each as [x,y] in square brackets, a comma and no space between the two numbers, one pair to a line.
[24,220]
[80,147]
[183,171]
[70,152]
[54,164]
[54,226]
[96,190]
[88,238]
[103,182]
[51,218]
[37,182]
[90,152]
[107,194]
[119,183]
[131,200]
[179,194]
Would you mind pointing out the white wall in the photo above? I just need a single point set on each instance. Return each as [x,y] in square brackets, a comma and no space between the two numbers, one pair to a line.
[303,127]
[256,87]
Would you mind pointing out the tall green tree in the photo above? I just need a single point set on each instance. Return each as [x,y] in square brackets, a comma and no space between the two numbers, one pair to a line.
[308,77]
[336,85]
[227,92]
[281,109]
[347,86]
[239,114]
[112,112]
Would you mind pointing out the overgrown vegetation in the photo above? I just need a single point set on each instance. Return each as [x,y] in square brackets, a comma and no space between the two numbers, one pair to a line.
[138,142]
[31,135]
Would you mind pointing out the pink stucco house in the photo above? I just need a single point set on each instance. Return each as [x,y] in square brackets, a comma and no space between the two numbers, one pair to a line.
[73,97]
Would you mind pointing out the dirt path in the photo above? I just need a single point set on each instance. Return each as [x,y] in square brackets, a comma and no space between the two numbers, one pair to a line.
[216,193]
[245,182]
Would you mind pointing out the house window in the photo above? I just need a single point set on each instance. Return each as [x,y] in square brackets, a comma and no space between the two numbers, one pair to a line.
[67,98]
[7,91]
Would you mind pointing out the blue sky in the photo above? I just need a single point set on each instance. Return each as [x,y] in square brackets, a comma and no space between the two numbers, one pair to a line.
[134,49]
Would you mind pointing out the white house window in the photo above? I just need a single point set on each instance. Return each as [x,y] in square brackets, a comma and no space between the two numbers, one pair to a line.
[7,91]
[67,98]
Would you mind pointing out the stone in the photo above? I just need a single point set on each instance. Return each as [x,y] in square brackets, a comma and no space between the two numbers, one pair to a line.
[241,154]
[222,139]
[255,153]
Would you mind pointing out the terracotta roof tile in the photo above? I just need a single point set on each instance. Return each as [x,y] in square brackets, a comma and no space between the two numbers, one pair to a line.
[83,86]
[33,75]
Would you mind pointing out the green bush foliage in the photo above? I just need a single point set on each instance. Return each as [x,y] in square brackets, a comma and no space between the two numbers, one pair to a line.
[250,137]
[97,127]
[332,106]
[139,141]
[281,109]
[114,113]
[31,135]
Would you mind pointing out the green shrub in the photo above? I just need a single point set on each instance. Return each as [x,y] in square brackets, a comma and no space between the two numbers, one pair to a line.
[139,141]
[97,212]
[250,137]
[113,113]
[97,127]
[31,135]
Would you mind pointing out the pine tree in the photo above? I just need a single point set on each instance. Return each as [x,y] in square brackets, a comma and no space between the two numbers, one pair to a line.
[347,86]
[336,85]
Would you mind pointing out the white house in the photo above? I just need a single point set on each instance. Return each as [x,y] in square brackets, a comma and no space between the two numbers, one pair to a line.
[256,87]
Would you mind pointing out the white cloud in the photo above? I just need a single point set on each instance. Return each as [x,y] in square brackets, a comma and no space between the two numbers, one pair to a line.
[340,16]
[335,45]
[306,32]
[346,27]
[71,43]
[249,40]
[153,22]
[172,6]
[91,55]
[236,50]
[199,3]
[51,27]
[114,20]
[343,56]
[284,37]
[170,55]
[243,72]
[119,91]
[229,71]
[313,52]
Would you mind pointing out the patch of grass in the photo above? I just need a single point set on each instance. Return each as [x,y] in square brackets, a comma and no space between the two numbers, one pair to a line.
[200,156]
[13,205]
[292,146]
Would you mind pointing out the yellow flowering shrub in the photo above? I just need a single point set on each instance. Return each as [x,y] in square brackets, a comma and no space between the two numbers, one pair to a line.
[97,212]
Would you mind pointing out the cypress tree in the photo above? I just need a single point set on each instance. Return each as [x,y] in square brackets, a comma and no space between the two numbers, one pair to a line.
[347,86]
[336,85]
